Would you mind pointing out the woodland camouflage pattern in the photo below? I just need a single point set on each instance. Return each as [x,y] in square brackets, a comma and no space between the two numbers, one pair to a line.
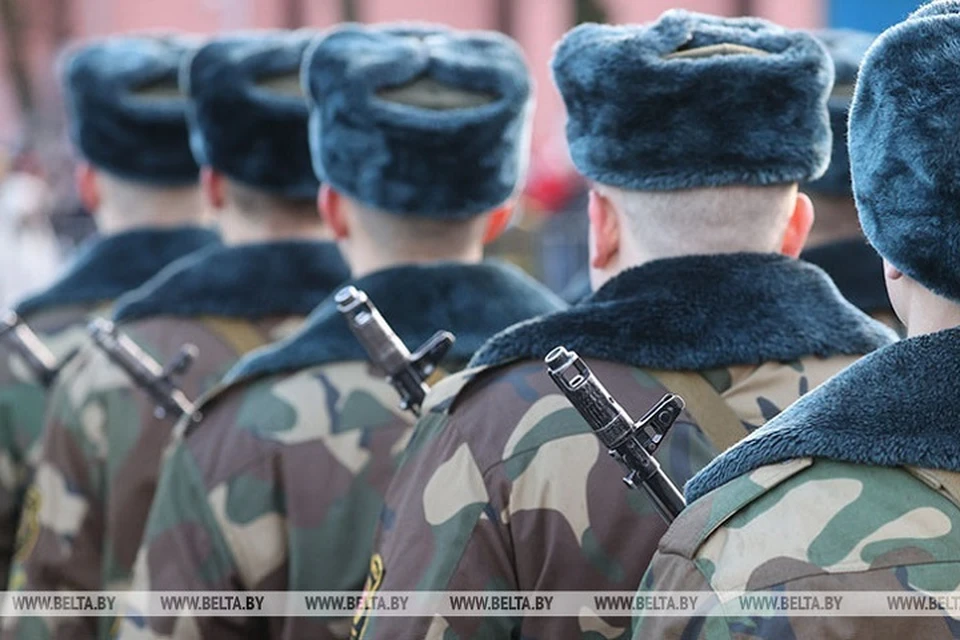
[22,404]
[505,487]
[100,460]
[840,527]
[238,505]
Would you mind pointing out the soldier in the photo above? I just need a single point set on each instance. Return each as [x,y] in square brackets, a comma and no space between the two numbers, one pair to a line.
[138,177]
[103,442]
[836,243]
[857,486]
[695,132]
[419,135]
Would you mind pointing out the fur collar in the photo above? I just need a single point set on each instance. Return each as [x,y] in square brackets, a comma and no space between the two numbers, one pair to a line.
[108,267]
[701,312]
[250,281]
[857,270]
[898,406]
[472,301]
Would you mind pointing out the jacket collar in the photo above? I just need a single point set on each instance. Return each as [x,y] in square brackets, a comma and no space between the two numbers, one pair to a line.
[898,406]
[701,312]
[472,301]
[108,267]
[247,281]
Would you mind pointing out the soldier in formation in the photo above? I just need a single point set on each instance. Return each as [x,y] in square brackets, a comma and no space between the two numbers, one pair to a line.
[418,135]
[104,436]
[297,470]
[696,222]
[127,120]
[857,486]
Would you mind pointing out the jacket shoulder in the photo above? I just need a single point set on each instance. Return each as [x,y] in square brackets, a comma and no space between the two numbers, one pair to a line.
[506,413]
[327,401]
[804,517]
[759,393]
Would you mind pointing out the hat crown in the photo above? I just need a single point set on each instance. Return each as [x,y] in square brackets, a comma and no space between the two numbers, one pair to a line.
[693,100]
[418,119]
[937,8]
[248,112]
[126,114]
[384,57]
[903,146]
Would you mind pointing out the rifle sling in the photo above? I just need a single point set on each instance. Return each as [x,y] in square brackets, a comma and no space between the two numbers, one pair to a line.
[241,335]
[711,412]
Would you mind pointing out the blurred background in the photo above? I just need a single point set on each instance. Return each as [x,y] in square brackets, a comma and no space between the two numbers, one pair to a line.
[41,221]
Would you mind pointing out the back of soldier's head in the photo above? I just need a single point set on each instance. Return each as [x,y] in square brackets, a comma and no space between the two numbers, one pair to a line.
[702,127]
[904,151]
[423,128]
[248,121]
[127,119]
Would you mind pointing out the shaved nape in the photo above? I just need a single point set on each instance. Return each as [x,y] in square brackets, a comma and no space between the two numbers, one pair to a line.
[256,203]
[127,203]
[419,235]
[731,219]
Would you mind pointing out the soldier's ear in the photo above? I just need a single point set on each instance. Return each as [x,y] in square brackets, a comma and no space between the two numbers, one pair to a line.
[891,272]
[214,188]
[798,228]
[604,231]
[497,222]
[333,211]
[88,186]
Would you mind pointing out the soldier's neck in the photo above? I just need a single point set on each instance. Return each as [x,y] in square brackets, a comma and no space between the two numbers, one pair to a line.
[274,231]
[364,264]
[922,321]
[165,210]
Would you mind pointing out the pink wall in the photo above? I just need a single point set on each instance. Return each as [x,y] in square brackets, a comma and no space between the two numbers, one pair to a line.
[473,14]
[799,14]
[322,14]
[539,28]
[627,11]
[796,13]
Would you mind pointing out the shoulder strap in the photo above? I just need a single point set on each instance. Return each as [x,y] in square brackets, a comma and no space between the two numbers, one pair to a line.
[242,336]
[713,415]
[946,483]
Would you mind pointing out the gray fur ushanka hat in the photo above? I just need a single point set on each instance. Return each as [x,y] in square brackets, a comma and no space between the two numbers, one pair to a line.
[693,100]
[248,113]
[126,115]
[419,120]
[905,147]
[847,48]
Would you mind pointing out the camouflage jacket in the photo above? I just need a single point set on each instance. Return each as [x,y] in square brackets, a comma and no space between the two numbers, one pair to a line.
[103,440]
[59,315]
[281,484]
[504,486]
[857,270]
[854,488]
